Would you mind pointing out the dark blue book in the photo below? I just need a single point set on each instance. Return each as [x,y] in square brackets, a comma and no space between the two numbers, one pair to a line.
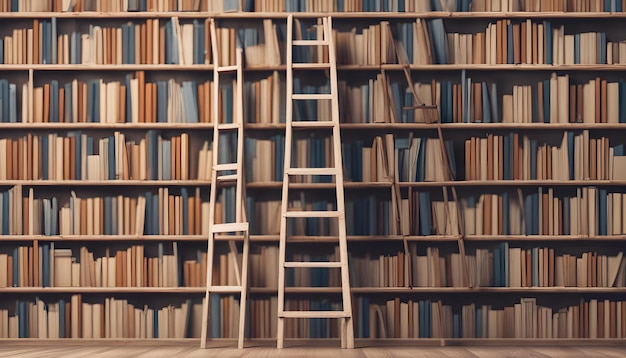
[546,101]
[53,40]
[147,224]
[535,266]
[215,316]
[497,264]
[44,156]
[62,322]
[535,103]
[162,101]
[1,51]
[12,103]
[125,47]
[507,160]
[602,212]
[420,170]
[185,197]
[152,147]
[495,114]
[547,30]
[114,211]
[166,162]
[533,158]
[22,314]
[45,265]
[576,48]
[16,267]
[68,116]
[479,322]
[131,43]
[456,324]
[486,105]
[190,101]
[570,154]
[108,213]
[601,49]
[155,214]
[155,327]
[54,101]
[112,162]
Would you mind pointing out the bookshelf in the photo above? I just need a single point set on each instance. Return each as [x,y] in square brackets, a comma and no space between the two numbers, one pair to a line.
[118,251]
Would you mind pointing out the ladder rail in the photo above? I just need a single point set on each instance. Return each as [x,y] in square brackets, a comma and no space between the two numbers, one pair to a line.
[241,276]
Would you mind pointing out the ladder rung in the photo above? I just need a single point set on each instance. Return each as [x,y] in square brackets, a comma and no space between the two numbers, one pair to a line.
[229,289]
[318,124]
[311,171]
[225,166]
[229,177]
[229,227]
[227,68]
[311,96]
[312,214]
[309,42]
[228,126]
[313,264]
[313,314]
[310,65]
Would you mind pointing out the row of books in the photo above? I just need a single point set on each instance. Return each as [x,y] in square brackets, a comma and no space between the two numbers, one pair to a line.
[557,99]
[591,318]
[313,6]
[164,211]
[587,211]
[503,266]
[110,318]
[511,157]
[107,6]
[79,156]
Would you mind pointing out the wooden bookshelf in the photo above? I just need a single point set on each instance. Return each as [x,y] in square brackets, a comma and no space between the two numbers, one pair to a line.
[383,211]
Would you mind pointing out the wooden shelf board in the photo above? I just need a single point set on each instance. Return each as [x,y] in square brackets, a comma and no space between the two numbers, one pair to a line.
[337,15]
[124,183]
[319,290]
[118,126]
[513,183]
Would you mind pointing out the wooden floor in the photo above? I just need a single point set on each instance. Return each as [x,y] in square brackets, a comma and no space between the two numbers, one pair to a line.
[190,348]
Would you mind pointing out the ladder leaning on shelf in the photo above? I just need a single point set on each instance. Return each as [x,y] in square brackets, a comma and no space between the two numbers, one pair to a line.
[224,173]
[336,171]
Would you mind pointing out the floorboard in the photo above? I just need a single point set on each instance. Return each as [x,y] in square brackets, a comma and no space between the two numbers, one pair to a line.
[293,348]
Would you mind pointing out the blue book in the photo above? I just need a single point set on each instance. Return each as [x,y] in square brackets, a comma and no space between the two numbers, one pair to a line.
[439,41]
[22,314]
[147,226]
[535,103]
[486,106]
[546,101]
[495,117]
[533,158]
[576,48]
[365,314]
[215,316]
[166,147]
[479,322]
[190,101]
[108,213]
[155,327]
[62,322]
[4,96]
[2,52]
[456,326]
[45,265]
[125,46]
[112,163]
[131,44]
[114,211]
[152,147]
[185,197]
[53,40]
[602,212]
[54,216]
[162,95]
[505,268]
[54,101]
[68,116]
[4,201]
[155,214]
[497,264]
[12,103]
[601,48]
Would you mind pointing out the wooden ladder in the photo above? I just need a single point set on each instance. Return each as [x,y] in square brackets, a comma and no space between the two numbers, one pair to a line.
[226,174]
[345,315]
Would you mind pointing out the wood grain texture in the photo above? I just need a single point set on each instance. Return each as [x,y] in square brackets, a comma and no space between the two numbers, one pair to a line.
[190,348]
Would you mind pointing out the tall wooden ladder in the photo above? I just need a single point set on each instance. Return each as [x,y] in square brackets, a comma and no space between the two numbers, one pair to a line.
[226,174]
[336,171]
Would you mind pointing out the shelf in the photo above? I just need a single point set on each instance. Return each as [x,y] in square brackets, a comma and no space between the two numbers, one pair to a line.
[391,127]
[512,183]
[117,183]
[318,290]
[338,15]
[347,185]
[273,238]
[115,126]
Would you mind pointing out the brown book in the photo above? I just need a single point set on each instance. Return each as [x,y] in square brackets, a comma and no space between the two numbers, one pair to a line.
[572,103]
[598,89]
[579,103]
[490,162]
[593,156]
[142,95]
